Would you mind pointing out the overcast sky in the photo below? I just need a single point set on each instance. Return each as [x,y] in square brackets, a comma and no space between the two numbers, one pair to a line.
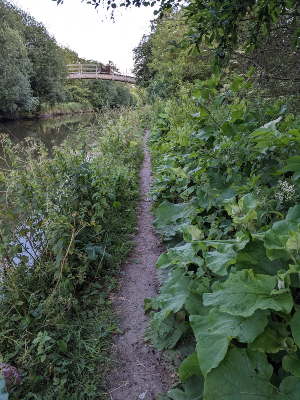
[79,26]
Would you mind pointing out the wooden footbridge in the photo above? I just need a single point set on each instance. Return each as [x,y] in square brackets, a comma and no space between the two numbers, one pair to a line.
[96,71]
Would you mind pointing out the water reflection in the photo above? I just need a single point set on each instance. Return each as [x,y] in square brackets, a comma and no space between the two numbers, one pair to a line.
[51,131]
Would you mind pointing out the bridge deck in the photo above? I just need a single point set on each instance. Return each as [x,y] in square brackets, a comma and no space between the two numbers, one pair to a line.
[112,77]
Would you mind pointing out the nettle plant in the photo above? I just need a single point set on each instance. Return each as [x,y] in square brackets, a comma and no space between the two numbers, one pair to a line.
[227,190]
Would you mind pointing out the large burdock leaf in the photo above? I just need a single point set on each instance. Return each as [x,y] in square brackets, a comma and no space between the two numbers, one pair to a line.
[225,254]
[193,390]
[245,292]
[169,217]
[291,363]
[289,389]
[244,211]
[215,331]
[174,300]
[180,255]
[295,327]
[220,190]
[254,256]
[243,329]
[189,367]
[270,341]
[277,237]
[211,348]
[242,375]
[218,261]
[165,334]
[194,303]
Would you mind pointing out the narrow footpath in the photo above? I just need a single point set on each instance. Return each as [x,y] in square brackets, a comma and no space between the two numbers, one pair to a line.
[138,372]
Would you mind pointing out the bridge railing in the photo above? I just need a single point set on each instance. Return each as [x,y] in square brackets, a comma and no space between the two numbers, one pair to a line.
[89,69]
[95,71]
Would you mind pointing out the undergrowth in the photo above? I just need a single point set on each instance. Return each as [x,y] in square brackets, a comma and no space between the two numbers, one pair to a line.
[227,197]
[66,108]
[66,227]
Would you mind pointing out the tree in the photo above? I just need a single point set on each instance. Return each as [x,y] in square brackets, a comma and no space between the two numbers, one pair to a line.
[49,69]
[276,68]
[143,57]
[110,94]
[217,20]
[15,69]
[163,71]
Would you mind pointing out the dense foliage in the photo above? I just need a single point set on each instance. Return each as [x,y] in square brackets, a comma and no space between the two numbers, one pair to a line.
[162,71]
[66,225]
[219,20]
[100,94]
[31,67]
[227,192]
[33,70]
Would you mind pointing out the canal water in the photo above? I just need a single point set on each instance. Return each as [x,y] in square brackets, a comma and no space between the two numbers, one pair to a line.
[52,131]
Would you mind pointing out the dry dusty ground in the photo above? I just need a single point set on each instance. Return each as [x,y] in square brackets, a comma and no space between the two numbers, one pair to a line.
[138,373]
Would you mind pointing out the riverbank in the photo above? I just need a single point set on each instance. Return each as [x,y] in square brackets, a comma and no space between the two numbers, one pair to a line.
[47,111]
[58,311]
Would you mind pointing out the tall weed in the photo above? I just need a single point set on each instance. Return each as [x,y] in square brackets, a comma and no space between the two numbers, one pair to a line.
[65,229]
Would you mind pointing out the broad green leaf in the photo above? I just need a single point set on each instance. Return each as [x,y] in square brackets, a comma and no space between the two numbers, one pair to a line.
[211,348]
[165,334]
[218,261]
[221,190]
[243,329]
[163,261]
[215,331]
[173,279]
[236,244]
[245,292]
[169,216]
[217,102]
[289,389]
[254,256]
[291,363]
[191,233]
[194,387]
[206,132]
[174,300]
[244,211]
[242,375]
[193,390]
[189,367]
[270,341]
[277,237]
[181,255]
[293,166]
[62,345]
[295,327]
[237,82]
[293,242]
[193,303]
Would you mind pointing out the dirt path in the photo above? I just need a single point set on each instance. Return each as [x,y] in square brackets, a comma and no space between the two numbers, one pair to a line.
[137,373]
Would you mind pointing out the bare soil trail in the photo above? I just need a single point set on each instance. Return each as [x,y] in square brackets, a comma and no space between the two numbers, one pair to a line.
[138,372]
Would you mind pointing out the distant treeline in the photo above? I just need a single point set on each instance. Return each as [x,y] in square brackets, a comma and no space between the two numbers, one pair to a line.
[33,70]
